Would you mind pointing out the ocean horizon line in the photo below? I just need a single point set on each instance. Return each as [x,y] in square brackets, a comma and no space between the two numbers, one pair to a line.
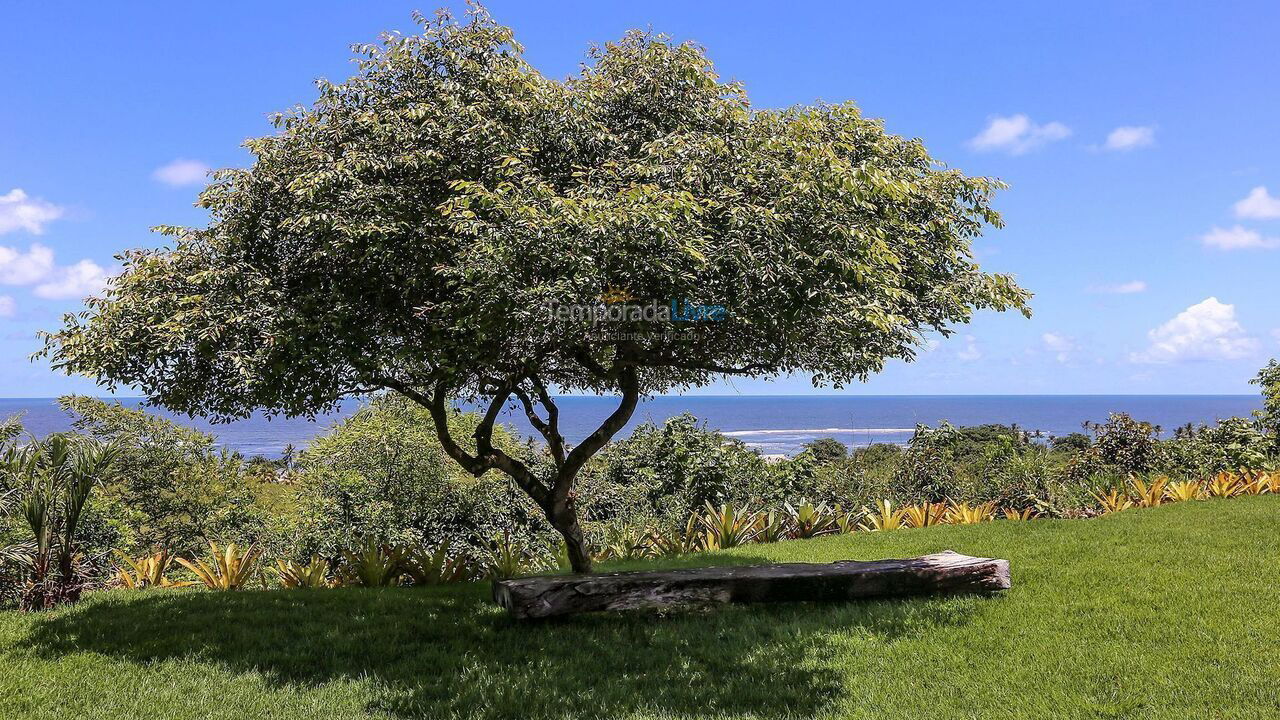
[765,395]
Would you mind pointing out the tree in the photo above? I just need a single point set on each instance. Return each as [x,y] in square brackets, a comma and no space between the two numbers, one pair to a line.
[1268,380]
[174,489]
[826,450]
[448,224]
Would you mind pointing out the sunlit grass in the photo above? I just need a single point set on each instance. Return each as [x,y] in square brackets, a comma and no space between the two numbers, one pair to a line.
[1169,612]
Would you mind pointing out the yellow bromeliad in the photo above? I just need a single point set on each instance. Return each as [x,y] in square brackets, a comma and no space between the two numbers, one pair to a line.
[728,526]
[966,514]
[231,567]
[315,574]
[1023,514]
[925,514]
[1184,490]
[1113,501]
[884,517]
[1148,493]
[1224,485]
[147,571]
[1255,482]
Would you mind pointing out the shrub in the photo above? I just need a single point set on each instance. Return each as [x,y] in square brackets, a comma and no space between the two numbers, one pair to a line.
[927,471]
[382,473]
[826,450]
[169,486]
[665,473]
[1127,444]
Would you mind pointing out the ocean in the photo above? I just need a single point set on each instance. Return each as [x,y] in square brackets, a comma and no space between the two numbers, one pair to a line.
[774,424]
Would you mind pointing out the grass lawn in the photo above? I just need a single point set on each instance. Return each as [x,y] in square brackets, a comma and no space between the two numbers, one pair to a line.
[1172,612]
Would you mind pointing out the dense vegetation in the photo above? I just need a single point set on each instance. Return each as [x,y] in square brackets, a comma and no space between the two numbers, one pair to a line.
[1161,613]
[378,501]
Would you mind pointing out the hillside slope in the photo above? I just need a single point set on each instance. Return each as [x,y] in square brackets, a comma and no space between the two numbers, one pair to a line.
[1171,613]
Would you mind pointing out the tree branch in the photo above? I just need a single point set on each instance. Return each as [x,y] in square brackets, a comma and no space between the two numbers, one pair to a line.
[647,360]
[583,356]
[629,383]
[549,428]
[484,431]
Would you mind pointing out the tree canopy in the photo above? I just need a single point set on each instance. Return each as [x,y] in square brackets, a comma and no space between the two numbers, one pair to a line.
[417,228]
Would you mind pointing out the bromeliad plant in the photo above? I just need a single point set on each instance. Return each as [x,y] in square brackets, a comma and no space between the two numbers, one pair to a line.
[671,541]
[884,517]
[1148,493]
[292,574]
[966,514]
[625,543]
[850,521]
[1257,482]
[1183,490]
[230,567]
[435,565]
[1113,500]
[925,514]
[372,564]
[147,571]
[809,521]
[1224,485]
[771,526]
[728,526]
[54,479]
[508,559]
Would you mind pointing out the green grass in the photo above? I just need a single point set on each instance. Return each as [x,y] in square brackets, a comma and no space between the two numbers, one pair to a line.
[1172,613]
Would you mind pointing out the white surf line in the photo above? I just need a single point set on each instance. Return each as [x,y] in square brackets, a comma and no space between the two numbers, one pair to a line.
[814,431]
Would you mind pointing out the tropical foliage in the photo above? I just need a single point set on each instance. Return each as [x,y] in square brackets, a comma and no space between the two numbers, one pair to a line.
[50,482]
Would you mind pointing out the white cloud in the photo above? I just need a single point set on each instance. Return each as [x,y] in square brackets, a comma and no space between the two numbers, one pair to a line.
[36,267]
[18,211]
[1125,288]
[25,268]
[1205,331]
[1130,137]
[1238,238]
[74,282]
[1017,134]
[1060,345]
[7,306]
[1259,205]
[970,352]
[181,172]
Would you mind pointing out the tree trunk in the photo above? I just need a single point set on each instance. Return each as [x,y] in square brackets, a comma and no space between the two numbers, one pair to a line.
[565,520]
[942,573]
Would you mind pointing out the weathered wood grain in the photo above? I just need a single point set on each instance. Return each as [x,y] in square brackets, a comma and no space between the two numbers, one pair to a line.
[941,573]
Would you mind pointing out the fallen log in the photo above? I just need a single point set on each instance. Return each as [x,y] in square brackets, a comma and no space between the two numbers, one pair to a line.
[941,573]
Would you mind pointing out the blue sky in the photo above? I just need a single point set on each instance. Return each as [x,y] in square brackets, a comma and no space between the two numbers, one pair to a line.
[1140,141]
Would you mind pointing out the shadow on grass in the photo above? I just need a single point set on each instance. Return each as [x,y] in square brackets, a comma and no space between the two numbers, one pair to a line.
[449,652]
